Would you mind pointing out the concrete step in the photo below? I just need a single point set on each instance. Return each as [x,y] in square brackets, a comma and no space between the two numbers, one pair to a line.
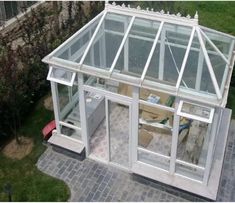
[67,146]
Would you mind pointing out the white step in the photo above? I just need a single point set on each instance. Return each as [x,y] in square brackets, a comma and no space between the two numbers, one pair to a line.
[66,142]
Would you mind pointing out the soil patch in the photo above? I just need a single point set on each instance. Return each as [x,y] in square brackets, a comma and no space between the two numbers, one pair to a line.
[48,103]
[17,151]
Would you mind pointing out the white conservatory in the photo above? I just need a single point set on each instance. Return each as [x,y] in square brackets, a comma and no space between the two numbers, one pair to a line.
[146,91]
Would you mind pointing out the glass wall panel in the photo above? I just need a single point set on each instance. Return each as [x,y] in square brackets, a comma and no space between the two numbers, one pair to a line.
[193,143]
[61,75]
[69,110]
[137,47]
[157,97]
[119,133]
[189,171]
[107,41]
[154,160]
[155,136]
[63,94]
[96,125]
[71,132]
[109,85]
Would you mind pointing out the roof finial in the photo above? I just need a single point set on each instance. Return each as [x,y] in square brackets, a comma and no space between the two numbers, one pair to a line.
[114,4]
[196,15]
[138,7]
[123,5]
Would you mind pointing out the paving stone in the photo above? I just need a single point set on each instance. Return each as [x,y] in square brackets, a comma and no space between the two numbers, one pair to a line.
[92,181]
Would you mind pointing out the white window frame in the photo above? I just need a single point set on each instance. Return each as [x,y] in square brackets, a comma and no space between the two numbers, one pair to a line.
[195,117]
[49,77]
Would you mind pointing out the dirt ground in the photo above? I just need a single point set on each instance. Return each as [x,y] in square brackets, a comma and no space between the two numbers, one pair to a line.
[48,103]
[17,151]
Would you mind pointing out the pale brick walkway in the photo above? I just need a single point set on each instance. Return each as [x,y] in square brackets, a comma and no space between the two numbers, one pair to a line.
[92,181]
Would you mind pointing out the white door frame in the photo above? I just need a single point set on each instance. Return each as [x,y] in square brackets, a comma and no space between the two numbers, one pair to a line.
[121,99]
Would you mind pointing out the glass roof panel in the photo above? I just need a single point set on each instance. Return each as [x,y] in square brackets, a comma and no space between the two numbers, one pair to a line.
[107,41]
[168,56]
[74,49]
[196,74]
[137,47]
[217,62]
[222,42]
[190,71]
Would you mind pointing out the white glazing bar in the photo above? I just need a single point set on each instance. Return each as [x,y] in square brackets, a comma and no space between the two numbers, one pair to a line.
[162,54]
[153,153]
[135,123]
[151,52]
[55,99]
[83,118]
[122,44]
[210,69]
[159,106]
[190,165]
[69,125]
[92,39]
[199,70]
[126,50]
[185,59]
[215,47]
[72,37]
[107,123]
[174,141]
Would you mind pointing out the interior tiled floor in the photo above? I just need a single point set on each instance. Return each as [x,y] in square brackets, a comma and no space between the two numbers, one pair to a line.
[119,139]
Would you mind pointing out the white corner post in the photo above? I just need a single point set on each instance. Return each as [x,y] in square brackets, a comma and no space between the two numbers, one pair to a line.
[92,39]
[56,105]
[135,122]
[162,54]
[210,68]
[151,52]
[174,141]
[82,107]
[209,158]
[185,59]
[121,46]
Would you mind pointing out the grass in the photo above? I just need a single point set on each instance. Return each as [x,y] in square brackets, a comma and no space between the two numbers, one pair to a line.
[28,183]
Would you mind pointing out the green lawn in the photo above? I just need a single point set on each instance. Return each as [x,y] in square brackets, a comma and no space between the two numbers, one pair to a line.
[28,183]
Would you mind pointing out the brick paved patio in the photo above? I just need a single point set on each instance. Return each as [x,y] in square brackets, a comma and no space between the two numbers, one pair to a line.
[92,181]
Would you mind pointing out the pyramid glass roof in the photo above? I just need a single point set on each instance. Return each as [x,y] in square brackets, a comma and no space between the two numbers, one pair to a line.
[150,49]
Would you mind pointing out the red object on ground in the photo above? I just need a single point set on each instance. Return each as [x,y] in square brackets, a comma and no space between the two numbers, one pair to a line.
[47,130]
